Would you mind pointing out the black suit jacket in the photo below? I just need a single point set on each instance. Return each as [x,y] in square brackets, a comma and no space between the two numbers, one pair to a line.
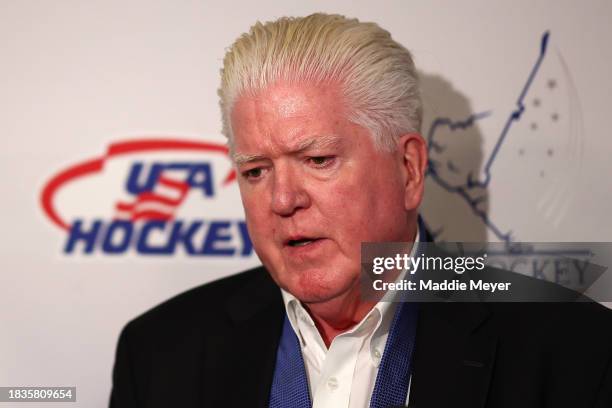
[215,346]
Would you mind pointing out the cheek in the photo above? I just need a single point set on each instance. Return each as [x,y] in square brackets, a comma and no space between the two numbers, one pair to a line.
[347,209]
[257,217]
[257,224]
[371,210]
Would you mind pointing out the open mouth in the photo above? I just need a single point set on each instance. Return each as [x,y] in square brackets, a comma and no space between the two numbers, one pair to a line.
[301,242]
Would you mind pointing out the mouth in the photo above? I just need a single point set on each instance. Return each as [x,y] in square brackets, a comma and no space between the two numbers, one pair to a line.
[301,242]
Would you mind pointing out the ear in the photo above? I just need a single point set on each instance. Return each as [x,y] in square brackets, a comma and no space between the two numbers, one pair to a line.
[413,151]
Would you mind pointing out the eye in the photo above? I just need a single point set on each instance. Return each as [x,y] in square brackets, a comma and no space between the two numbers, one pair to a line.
[321,161]
[252,174]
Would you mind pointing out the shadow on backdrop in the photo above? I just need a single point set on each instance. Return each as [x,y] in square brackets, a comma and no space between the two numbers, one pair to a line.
[454,208]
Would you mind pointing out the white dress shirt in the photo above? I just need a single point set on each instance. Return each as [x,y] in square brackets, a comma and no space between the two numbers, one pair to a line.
[343,375]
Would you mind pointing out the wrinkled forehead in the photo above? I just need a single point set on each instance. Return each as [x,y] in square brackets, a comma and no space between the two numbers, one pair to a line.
[295,146]
[288,99]
[291,117]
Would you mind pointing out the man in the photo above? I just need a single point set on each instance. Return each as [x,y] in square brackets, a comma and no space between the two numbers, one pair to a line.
[322,116]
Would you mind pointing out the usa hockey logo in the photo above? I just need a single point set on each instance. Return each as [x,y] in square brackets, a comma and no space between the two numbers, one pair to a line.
[150,197]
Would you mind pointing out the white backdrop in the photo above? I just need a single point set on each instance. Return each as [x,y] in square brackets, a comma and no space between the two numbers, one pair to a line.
[78,77]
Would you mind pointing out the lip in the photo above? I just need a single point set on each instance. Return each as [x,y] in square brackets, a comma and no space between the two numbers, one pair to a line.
[298,237]
[309,248]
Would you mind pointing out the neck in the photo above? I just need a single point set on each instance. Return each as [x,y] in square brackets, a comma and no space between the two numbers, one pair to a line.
[338,315]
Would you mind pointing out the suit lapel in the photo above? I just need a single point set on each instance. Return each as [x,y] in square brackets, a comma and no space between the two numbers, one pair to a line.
[454,356]
[242,359]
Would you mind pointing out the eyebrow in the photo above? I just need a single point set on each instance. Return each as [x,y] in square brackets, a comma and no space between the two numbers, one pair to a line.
[321,142]
[240,158]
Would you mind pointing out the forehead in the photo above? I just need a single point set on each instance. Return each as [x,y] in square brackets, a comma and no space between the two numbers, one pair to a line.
[289,117]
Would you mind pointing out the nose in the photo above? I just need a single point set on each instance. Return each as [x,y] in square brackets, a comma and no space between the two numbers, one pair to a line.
[288,192]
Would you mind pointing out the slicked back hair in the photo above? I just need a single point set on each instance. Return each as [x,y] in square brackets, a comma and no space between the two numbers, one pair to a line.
[376,74]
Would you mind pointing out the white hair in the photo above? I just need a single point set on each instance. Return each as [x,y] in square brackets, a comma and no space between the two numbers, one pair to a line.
[376,74]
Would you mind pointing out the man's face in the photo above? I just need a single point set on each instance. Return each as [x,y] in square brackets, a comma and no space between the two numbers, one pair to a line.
[314,187]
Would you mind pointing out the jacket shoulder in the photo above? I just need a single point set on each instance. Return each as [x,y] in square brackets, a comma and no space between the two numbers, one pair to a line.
[582,321]
[196,307]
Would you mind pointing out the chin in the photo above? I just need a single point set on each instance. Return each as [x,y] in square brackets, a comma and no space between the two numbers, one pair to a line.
[313,287]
